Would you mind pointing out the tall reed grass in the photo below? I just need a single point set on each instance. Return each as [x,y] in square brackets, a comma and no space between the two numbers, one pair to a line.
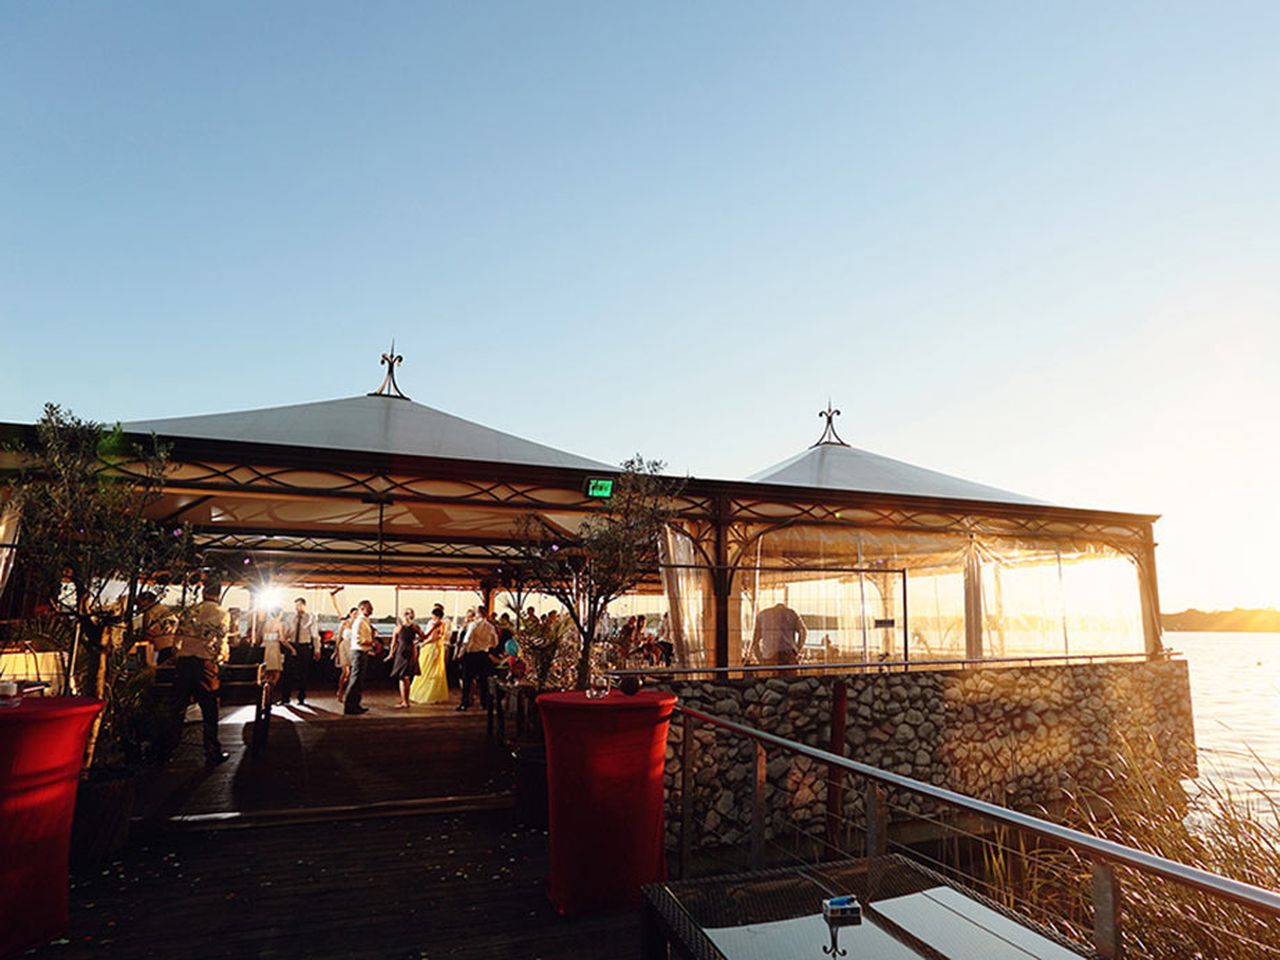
[1230,830]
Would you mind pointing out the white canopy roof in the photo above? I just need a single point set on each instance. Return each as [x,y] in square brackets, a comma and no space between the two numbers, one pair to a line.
[376,424]
[835,466]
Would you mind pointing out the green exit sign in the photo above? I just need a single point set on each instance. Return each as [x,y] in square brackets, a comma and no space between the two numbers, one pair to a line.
[600,488]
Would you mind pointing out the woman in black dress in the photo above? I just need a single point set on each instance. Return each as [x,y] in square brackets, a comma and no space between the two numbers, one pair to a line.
[404,656]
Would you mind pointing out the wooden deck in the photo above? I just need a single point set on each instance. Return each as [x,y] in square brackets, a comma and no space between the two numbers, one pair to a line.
[319,848]
[433,886]
[317,759]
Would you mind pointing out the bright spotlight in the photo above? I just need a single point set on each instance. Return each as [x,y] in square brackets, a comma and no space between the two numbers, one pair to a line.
[270,597]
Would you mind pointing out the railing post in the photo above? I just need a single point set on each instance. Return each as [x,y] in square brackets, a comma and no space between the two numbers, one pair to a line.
[686,795]
[835,776]
[757,808]
[1106,910]
[877,824]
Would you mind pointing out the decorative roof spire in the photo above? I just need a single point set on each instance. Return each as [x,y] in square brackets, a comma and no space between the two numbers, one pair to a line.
[829,435]
[389,386]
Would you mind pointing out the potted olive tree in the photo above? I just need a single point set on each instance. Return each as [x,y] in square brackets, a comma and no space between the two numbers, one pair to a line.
[85,496]
[611,552]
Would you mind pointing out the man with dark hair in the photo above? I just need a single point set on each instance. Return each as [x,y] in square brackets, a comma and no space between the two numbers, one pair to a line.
[198,640]
[302,631]
[476,665]
[361,649]
[779,635]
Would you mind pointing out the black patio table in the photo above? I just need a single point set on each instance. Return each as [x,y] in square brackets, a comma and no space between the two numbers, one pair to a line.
[908,912]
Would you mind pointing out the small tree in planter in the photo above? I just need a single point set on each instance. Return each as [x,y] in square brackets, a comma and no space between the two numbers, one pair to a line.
[611,552]
[86,546]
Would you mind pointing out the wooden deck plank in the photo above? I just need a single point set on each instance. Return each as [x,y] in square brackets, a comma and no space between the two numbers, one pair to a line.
[458,886]
[316,757]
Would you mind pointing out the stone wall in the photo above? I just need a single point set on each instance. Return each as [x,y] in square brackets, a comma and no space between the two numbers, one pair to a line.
[1014,736]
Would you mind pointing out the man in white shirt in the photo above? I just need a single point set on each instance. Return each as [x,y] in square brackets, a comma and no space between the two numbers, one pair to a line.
[779,635]
[198,639]
[476,665]
[361,649]
[301,630]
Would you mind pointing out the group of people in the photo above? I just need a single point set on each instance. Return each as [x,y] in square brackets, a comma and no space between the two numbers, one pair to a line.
[420,657]
[417,657]
[290,645]
[640,646]
[423,657]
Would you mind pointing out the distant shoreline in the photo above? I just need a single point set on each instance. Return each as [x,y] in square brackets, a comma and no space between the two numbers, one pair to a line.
[1222,621]
[1217,630]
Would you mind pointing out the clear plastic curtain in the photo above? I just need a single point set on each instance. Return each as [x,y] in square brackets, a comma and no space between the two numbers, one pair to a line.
[10,522]
[1059,597]
[685,582]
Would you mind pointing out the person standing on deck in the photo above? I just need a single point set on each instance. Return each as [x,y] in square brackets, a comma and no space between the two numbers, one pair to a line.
[778,636]
[157,625]
[303,634]
[481,638]
[431,685]
[342,653]
[458,646]
[198,640]
[361,650]
[275,650]
[404,655]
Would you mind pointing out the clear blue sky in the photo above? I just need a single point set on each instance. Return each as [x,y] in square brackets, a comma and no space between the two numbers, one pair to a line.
[1031,244]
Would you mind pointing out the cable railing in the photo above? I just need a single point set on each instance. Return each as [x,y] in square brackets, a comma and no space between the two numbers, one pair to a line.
[984,847]
[885,666]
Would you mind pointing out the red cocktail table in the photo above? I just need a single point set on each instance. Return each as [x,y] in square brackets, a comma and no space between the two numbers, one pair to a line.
[41,748]
[605,760]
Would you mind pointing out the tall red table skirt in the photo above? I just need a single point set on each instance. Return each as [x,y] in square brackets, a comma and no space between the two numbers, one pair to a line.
[605,760]
[42,745]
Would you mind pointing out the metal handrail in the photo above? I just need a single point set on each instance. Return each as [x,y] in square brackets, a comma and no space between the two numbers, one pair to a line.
[1254,897]
[865,665]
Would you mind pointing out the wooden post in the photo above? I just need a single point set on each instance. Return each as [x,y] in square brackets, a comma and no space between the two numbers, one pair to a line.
[686,795]
[1106,910]
[835,775]
[757,808]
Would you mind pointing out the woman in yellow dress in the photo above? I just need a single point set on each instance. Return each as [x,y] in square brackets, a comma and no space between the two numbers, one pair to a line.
[430,686]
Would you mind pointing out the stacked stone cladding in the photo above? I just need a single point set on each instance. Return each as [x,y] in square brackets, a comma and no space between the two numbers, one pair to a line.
[1015,736]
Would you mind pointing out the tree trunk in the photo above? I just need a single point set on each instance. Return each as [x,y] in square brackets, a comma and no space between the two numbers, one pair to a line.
[100,688]
[584,664]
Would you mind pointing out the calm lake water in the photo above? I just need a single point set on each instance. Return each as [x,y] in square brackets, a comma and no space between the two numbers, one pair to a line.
[1235,695]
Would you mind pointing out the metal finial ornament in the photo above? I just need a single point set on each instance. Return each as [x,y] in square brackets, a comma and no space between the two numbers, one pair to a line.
[389,386]
[829,434]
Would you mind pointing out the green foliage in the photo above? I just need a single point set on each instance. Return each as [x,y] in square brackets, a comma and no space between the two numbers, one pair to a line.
[87,542]
[613,549]
[551,647]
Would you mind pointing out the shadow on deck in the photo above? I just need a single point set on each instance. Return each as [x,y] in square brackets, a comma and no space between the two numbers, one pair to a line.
[386,835]
[319,761]
[458,886]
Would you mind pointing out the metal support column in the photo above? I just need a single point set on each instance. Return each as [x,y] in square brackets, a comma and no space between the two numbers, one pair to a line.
[972,604]
[835,776]
[1106,910]
[687,755]
[877,821]
[721,581]
[758,808]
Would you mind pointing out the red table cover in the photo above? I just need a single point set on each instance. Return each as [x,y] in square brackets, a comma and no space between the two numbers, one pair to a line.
[42,745]
[605,761]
